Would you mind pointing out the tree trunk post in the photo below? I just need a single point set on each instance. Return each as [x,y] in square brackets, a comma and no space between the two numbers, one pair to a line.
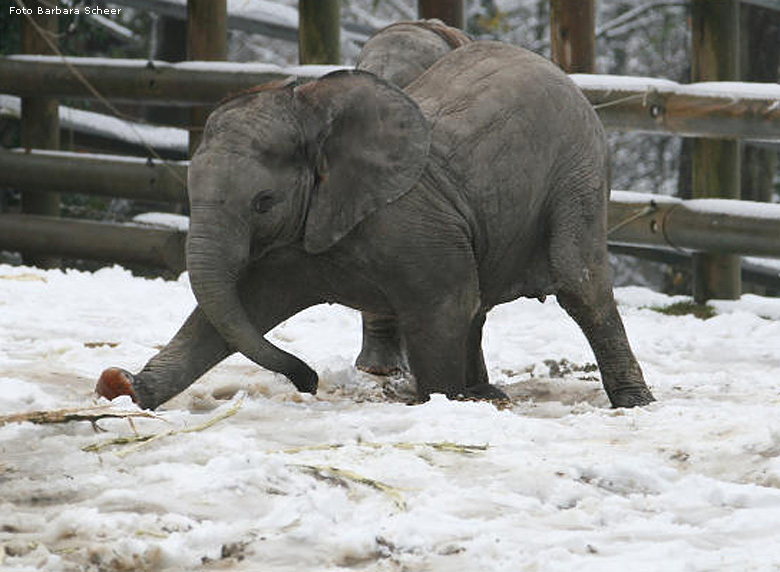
[716,163]
[40,121]
[573,35]
[319,31]
[207,41]
[451,12]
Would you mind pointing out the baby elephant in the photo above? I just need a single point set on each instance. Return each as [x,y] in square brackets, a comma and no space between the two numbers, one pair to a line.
[485,181]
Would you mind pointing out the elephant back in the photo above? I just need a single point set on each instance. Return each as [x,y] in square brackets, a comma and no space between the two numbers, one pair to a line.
[489,103]
[401,52]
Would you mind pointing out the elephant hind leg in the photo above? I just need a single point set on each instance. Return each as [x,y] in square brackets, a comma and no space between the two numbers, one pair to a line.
[382,352]
[602,326]
[580,265]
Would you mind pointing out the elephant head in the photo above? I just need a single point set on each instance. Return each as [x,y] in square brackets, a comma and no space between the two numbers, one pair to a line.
[297,166]
[401,52]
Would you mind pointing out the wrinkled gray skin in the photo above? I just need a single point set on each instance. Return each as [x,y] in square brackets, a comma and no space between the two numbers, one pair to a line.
[487,182]
[399,53]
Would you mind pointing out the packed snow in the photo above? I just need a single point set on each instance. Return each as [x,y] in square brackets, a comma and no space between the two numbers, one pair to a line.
[356,479]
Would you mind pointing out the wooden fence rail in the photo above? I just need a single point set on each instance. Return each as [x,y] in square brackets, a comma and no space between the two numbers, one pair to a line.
[708,225]
[139,81]
[108,242]
[712,109]
[107,175]
[713,225]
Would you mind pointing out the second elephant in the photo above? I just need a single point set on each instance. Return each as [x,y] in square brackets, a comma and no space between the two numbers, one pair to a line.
[399,53]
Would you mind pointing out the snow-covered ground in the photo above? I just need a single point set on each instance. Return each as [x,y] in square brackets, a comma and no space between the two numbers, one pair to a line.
[354,479]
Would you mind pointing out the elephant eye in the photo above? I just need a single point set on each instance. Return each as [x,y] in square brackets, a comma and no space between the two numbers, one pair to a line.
[263,201]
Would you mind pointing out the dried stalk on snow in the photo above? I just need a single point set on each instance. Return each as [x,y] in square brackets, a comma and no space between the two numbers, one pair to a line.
[444,446]
[140,441]
[91,414]
[344,477]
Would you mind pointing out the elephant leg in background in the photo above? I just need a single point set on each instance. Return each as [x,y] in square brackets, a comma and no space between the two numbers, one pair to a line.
[478,384]
[382,352]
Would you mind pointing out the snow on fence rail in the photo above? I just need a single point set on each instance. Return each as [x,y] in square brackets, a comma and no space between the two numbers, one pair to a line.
[707,109]
[712,109]
[88,129]
[708,225]
[141,81]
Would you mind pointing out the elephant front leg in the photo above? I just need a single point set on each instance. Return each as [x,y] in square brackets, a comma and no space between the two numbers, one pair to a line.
[443,340]
[382,352]
[196,348]
[437,343]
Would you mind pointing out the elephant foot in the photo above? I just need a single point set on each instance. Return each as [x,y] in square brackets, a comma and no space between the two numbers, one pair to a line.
[484,392]
[381,362]
[631,397]
[115,382]
[306,381]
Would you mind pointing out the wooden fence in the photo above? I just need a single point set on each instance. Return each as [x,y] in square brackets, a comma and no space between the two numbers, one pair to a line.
[710,109]
[716,110]
[642,104]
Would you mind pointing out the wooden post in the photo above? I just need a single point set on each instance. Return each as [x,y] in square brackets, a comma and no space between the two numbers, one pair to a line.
[573,35]
[715,163]
[40,122]
[319,31]
[206,40]
[451,12]
[169,45]
[759,62]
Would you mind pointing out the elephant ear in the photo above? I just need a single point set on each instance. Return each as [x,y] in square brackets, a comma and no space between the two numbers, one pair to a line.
[370,144]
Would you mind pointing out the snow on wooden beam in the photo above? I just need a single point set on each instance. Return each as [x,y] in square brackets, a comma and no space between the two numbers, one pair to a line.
[704,225]
[96,130]
[185,83]
[709,109]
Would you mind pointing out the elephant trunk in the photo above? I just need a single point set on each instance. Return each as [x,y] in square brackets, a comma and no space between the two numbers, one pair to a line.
[215,266]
